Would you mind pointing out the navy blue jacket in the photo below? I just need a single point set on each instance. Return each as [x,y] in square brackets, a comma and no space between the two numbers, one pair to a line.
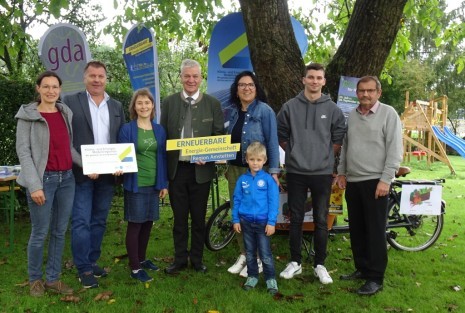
[128,134]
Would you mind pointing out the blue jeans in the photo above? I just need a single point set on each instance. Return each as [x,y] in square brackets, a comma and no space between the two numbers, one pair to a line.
[256,239]
[54,215]
[92,203]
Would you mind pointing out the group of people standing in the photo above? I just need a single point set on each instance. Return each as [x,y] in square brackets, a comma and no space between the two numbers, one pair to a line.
[310,128]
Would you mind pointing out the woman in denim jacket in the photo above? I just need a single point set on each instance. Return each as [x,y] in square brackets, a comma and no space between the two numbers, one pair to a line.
[251,120]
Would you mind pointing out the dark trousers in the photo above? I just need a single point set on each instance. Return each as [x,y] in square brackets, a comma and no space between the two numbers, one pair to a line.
[187,197]
[320,188]
[367,221]
[137,240]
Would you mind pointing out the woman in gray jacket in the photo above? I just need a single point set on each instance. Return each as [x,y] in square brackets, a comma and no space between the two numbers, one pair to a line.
[44,148]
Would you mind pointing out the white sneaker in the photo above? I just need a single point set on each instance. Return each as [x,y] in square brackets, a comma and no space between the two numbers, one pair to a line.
[239,265]
[292,268]
[321,272]
[243,273]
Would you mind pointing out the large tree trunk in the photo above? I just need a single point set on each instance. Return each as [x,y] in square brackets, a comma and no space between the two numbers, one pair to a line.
[275,54]
[273,49]
[367,42]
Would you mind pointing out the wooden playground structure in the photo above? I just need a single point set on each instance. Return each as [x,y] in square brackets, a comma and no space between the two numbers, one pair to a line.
[419,139]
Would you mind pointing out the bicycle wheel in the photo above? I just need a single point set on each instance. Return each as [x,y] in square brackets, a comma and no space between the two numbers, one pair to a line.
[412,232]
[219,230]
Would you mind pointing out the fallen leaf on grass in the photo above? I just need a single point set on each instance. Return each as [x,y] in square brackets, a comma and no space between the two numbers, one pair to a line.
[69,264]
[70,298]
[418,284]
[103,296]
[281,257]
[147,285]
[220,263]
[168,259]
[348,289]
[444,255]
[213,311]
[392,309]
[279,296]
[456,288]
[452,307]
[333,271]
[195,301]
[452,237]
[297,296]
[111,301]
[122,256]
[2,261]
[23,284]
[118,258]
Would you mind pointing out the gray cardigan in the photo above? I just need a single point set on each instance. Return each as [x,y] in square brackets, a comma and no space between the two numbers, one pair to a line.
[32,144]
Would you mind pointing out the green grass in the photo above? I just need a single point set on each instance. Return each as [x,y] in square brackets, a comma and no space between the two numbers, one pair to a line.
[415,282]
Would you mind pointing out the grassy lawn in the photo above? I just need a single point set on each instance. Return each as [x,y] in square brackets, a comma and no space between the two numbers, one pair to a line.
[415,282]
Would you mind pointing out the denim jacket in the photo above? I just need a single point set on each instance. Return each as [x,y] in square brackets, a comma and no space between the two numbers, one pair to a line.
[259,125]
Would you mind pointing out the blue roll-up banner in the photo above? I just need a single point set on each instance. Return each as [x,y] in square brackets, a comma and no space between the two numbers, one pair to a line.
[64,50]
[140,56]
[229,54]
[347,97]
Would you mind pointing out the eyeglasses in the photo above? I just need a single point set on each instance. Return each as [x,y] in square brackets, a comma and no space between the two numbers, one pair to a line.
[370,91]
[244,85]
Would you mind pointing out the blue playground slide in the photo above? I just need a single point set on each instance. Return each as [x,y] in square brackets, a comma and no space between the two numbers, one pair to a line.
[450,139]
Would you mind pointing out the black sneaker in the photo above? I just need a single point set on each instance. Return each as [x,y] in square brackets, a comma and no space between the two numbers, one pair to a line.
[98,271]
[149,265]
[88,280]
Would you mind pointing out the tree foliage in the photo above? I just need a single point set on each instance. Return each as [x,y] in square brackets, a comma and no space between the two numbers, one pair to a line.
[19,17]
[354,37]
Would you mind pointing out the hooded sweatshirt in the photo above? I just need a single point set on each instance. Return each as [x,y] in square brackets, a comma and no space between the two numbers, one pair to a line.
[310,129]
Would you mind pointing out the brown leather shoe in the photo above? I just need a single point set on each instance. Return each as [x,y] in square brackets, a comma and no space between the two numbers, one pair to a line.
[59,287]
[37,288]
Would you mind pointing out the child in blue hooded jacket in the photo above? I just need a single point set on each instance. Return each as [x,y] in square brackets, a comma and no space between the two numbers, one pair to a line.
[255,211]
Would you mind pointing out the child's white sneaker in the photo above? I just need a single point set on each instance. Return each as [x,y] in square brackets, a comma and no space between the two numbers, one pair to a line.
[292,268]
[321,272]
[243,273]
[237,267]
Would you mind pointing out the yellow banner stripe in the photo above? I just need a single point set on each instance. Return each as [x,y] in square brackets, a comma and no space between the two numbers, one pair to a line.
[125,153]
[220,148]
[179,144]
[233,48]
